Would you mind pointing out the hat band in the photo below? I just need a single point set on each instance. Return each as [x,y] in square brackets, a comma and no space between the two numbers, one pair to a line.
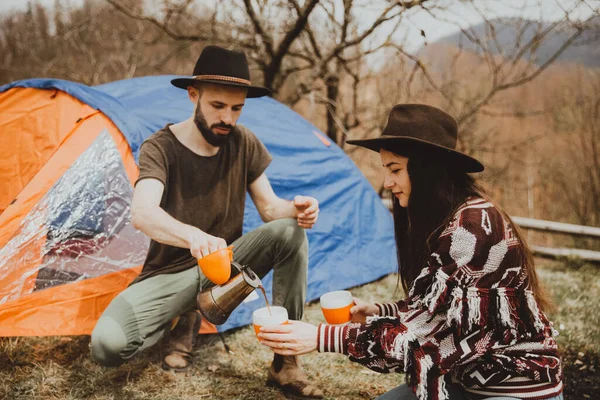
[222,78]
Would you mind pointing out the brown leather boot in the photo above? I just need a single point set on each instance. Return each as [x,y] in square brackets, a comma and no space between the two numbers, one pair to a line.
[286,375]
[181,342]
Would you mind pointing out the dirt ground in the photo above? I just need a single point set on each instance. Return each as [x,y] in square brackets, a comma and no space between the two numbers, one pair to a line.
[52,368]
[582,377]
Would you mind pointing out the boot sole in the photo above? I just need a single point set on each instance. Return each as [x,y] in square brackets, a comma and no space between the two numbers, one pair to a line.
[283,389]
[167,367]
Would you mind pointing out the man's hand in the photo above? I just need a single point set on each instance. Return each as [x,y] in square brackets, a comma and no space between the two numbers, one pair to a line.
[202,244]
[307,209]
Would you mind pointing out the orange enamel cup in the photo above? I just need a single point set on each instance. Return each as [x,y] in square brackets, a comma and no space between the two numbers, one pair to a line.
[217,265]
[336,306]
[264,317]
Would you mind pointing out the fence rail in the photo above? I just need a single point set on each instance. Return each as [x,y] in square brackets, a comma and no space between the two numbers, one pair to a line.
[558,227]
[553,227]
[588,255]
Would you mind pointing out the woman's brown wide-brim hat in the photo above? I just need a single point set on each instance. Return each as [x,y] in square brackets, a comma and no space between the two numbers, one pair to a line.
[422,128]
[223,67]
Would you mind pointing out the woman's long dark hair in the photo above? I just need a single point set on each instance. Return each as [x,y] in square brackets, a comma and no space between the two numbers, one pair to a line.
[437,191]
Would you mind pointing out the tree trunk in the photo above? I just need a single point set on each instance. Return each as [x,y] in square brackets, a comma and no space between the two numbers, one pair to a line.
[333,89]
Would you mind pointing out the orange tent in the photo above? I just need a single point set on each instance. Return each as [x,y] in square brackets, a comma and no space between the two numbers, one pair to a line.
[67,172]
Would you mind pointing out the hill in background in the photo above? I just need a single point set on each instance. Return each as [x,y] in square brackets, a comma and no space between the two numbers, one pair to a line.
[508,34]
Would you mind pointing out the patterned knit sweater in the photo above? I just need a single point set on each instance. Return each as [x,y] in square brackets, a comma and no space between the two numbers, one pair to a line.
[469,319]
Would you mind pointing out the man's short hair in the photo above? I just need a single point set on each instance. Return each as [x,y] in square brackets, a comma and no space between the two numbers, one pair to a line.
[199,86]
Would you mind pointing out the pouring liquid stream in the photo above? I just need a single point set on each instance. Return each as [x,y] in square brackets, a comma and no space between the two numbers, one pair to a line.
[262,289]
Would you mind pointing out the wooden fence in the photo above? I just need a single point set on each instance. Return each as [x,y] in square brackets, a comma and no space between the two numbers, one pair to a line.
[560,227]
[554,227]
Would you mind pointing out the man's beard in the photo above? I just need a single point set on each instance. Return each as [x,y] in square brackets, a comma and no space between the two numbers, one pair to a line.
[214,139]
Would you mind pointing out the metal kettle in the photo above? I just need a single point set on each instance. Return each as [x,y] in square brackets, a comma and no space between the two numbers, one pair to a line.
[217,303]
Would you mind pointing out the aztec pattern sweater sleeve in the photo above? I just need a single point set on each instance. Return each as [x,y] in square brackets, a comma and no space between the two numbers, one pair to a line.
[469,304]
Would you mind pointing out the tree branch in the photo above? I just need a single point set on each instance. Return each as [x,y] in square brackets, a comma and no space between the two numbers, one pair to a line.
[265,37]
[164,27]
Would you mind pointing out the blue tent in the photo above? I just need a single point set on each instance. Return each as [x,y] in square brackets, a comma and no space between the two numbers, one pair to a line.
[352,242]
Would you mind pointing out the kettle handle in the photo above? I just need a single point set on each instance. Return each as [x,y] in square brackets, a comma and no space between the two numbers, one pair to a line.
[237,266]
[249,276]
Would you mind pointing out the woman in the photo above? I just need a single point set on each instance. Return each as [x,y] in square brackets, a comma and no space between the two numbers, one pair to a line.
[472,326]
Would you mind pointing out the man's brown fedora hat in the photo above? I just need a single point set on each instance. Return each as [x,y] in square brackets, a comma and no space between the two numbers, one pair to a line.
[429,130]
[223,67]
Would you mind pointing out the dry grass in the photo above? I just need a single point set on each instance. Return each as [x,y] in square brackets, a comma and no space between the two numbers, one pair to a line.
[575,294]
[60,367]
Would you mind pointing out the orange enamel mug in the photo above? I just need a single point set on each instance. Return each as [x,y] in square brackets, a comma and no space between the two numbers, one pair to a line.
[269,316]
[336,307]
[217,265]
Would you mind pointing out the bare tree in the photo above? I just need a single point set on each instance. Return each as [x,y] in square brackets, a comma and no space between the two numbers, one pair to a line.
[92,44]
[509,64]
[319,48]
[314,41]
[573,172]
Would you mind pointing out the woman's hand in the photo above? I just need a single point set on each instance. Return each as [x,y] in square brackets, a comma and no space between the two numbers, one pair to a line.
[291,339]
[362,310]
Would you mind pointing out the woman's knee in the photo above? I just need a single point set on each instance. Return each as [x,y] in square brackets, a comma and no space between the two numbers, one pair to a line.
[108,343]
[401,392]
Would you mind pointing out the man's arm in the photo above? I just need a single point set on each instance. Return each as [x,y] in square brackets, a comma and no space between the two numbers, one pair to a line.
[270,207]
[148,217]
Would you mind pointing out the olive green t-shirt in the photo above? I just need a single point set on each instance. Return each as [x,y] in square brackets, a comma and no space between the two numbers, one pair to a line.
[206,192]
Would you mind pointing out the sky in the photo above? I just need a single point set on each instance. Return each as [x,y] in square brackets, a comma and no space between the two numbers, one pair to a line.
[8,5]
[453,15]
[457,14]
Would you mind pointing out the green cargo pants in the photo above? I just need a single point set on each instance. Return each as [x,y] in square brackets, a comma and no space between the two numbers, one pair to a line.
[138,317]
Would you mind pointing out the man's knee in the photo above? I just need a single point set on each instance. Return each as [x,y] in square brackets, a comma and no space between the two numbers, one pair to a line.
[108,342]
[287,232]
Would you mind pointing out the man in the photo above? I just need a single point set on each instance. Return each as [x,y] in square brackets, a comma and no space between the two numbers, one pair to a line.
[189,199]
